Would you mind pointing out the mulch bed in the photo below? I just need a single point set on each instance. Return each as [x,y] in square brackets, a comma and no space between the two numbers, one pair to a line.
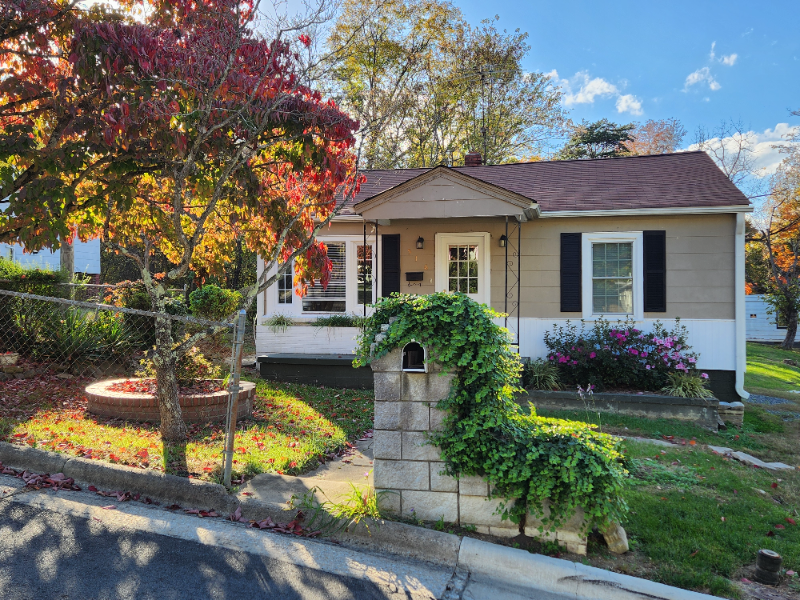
[148,386]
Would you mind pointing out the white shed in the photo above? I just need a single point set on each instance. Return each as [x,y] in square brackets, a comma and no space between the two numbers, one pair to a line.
[761,325]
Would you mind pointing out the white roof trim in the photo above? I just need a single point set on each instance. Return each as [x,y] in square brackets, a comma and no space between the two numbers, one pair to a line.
[683,210]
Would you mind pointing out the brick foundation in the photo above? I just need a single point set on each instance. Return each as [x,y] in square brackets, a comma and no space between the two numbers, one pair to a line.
[195,408]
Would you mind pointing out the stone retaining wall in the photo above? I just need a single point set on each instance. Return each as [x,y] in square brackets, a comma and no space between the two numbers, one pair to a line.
[411,470]
[195,408]
[702,411]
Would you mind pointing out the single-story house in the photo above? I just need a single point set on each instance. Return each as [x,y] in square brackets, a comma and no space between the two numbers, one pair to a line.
[762,325]
[646,237]
[86,257]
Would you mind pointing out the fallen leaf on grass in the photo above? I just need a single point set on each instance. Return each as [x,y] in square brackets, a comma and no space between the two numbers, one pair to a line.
[746,580]
[694,553]
[247,493]
[774,485]
[770,533]
[723,519]
[779,526]
[791,521]
[91,488]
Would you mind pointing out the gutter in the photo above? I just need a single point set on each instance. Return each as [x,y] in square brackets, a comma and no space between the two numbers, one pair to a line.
[741,345]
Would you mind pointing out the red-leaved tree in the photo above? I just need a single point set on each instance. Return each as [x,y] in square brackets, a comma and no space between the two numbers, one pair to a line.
[212,136]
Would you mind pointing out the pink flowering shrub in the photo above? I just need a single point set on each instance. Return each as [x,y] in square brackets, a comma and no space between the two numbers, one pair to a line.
[618,355]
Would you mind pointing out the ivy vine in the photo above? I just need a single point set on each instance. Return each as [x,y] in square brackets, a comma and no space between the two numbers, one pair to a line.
[527,459]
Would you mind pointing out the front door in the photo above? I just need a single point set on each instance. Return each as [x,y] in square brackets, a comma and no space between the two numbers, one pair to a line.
[462,264]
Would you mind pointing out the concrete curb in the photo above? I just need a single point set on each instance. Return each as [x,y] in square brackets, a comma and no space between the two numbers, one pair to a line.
[417,543]
[519,569]
[489,563]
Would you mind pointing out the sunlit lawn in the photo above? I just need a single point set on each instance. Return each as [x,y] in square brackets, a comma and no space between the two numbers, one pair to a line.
[292,429]
[768,374]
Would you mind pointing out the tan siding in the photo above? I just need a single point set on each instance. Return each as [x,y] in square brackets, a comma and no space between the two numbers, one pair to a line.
[700,259]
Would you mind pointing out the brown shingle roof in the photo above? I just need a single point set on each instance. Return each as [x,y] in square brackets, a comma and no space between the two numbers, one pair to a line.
[685,179]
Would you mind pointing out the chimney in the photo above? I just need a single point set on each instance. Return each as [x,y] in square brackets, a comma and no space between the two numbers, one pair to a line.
[473,159]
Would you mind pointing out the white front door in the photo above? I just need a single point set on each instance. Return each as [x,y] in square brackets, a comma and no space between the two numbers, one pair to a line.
[462,264]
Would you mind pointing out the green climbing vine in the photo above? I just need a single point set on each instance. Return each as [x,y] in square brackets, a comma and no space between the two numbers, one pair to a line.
[527,459]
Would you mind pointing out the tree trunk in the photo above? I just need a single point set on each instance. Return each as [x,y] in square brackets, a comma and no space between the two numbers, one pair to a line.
[791,330]
[67,257]
[173,428]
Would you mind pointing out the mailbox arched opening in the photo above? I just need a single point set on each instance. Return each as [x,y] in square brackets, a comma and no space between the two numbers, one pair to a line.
[414,358]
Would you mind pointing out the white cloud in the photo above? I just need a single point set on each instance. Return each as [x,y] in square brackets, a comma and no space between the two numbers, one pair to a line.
[711,54]
[581,88]
[729,60]
[699,77]
[766,157]
[629,103]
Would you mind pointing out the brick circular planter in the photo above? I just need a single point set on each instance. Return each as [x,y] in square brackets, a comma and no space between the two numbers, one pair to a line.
[195,408]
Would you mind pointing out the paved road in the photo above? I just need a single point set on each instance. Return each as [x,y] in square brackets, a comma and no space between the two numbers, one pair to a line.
[66,546]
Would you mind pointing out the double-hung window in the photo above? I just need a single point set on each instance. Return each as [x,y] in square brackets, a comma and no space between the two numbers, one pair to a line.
[334,297]
[612,278]
[612,275]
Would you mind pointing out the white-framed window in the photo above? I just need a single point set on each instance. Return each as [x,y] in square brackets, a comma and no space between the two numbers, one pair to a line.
[612,277]
[333,298]
[365,282]
[354,277]
[286,287]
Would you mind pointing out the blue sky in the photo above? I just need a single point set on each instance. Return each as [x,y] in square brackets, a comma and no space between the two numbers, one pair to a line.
[700,61]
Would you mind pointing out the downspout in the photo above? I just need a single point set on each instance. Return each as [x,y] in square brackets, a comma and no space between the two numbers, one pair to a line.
[741,346]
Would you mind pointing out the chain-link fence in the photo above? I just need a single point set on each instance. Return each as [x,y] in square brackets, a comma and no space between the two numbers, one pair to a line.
[42,334]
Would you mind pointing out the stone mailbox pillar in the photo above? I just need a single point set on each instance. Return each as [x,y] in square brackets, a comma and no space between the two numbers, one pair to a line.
[410,469]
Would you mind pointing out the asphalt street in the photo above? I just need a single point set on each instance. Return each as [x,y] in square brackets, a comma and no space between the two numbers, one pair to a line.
[48,554]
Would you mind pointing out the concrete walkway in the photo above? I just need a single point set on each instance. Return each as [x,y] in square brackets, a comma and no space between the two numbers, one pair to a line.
[333,478]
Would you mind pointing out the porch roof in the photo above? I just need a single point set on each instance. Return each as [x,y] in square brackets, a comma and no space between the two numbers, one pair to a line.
[442,192]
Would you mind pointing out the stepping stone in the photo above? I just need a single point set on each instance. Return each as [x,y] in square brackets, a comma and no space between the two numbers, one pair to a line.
[750,460]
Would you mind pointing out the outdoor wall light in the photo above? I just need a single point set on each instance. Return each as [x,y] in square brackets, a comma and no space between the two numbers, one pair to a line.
[503,240]
[420,243]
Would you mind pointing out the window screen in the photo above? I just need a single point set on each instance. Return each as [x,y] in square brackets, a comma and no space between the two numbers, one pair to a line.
[333,298]
[612,278]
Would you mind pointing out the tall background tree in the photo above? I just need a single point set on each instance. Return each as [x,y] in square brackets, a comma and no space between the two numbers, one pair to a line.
[600,139]
[427,87]
[656,136]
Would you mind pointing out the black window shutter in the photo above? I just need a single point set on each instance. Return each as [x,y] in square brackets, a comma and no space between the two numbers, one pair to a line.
[571,299]
[655,271]
[390,264]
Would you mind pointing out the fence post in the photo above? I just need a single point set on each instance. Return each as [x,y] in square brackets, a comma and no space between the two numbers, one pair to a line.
[233,398]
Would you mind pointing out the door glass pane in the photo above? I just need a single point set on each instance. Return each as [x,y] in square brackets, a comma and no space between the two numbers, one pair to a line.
[463,268]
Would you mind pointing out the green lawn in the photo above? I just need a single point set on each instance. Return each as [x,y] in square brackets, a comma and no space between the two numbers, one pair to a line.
[293,427]
[768,375]
[697,519]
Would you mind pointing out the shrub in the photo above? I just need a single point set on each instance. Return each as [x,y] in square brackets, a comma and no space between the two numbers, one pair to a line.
[133,294]
[541,375]
[339,321]
[684,385]
[191,368]
[527,459]
[619,355]
[279,323]
[47,332]
[213,302]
